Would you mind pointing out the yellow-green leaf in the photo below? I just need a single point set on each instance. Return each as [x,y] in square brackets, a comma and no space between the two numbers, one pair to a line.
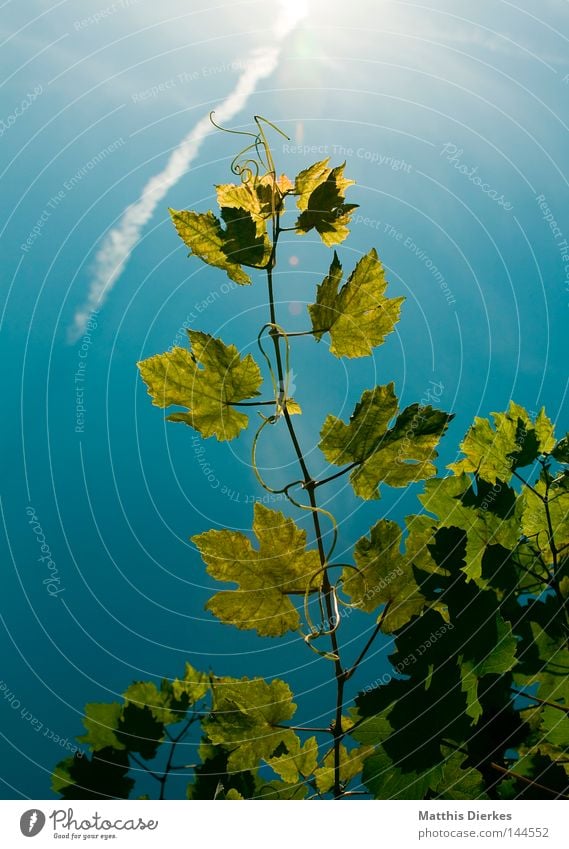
[383,577]
[320,192]
[296,760]
[514,441]
[396,455]
[245,719]
[204,236]
[358,316]
[265,577]
[258,196]
[351,764]
[102,721]
[206,380]
[535,525]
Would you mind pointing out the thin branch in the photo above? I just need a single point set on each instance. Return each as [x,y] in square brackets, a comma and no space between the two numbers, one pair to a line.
[304,332]
[250,403]
[529,486]
[317,483]
[145,768]
[369,643]
[306,728]
[326,586]
[174,741]
[525,780]
[540,701]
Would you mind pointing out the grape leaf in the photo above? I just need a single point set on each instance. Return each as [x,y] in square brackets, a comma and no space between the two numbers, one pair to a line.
[384,577]
[241,242]
[245,719]
[265,576]
[194,685]
[212,777]
[448,498]
[298,760]
[351,764]
[359,316]
[233,794]
[534,522]
[258,196]
[280,790]
[500,659]
[515,441]
[166,707]
[206,239]
[139,730]
[205,380]
[460,781]
[396,456]
[561,450]
[321,199]
[101,721]
[104,776]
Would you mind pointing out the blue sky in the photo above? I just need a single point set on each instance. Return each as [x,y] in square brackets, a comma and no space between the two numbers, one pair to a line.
[420,101]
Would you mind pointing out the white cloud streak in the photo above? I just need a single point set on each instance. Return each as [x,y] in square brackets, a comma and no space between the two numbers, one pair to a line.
[117,245]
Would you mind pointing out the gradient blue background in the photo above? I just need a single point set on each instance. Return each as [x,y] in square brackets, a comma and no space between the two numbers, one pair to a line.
[118,502]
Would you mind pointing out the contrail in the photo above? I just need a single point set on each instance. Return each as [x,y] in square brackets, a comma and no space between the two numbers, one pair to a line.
[113,254]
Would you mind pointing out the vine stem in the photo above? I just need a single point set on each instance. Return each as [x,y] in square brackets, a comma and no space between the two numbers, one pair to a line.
[337,474]
[174,741]
[369,643]
[540,701]
[339,672]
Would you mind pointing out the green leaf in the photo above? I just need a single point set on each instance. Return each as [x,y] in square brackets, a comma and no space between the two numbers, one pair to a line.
[104,776]
[499,660]
[194,685]
[448,498]
[280,790]
[534,519]
[241,242]
[212,777]
[460,781]
[245,720]
[321,199]
[206,380]
[561,450]
[383,577]
[359,316]
[297,760]
[496,452]
[101,722]
[396,456]
[386,781]
[233,794]
[206,239]
[140,731]
[265,576]
[165,707]
[258,196]
[351,764]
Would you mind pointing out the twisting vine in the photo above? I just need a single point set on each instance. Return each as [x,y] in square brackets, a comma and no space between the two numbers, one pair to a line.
[472,592]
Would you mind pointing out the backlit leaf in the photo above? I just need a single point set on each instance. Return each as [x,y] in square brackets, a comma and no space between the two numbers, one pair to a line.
[245,720]
[265,576]
[206,380]
[321,200]
[358,316]
[514,441]
[204,236]
[396,455]
[351,763]
[383,577]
